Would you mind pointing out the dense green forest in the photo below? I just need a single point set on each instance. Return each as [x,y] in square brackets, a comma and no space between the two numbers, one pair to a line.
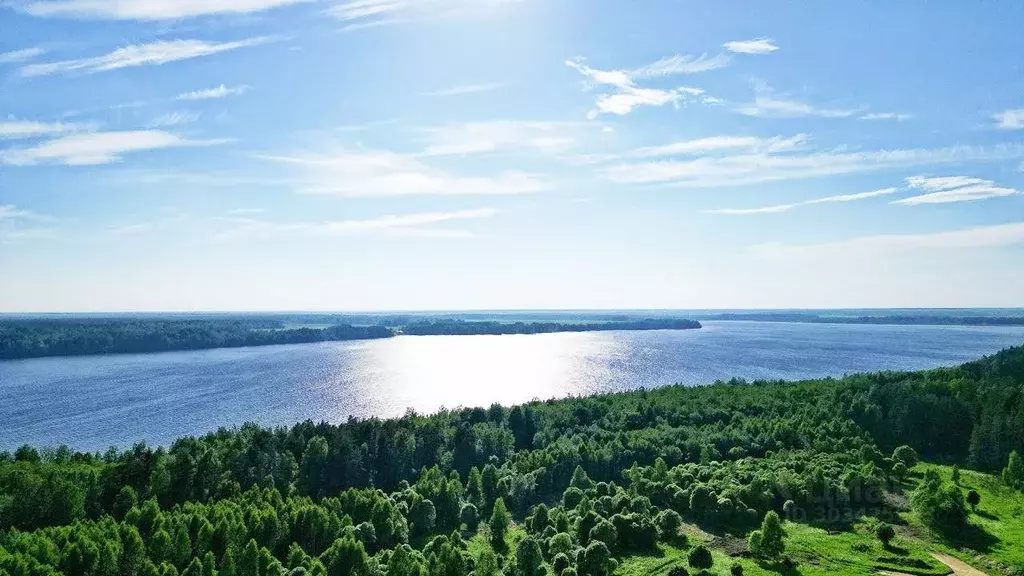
[39,337]
[33,338]
[572,487]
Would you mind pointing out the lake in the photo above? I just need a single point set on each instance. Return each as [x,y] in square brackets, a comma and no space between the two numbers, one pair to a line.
[93,402]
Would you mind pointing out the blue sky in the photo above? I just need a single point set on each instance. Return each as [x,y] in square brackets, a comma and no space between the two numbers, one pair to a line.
[460,154]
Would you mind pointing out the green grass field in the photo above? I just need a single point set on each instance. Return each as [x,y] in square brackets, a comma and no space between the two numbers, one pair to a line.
[816,552]
[996,534]
[997,527]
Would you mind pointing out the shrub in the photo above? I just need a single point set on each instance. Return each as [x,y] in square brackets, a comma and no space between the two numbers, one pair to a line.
[767,542]
[668,522]
[700,558]
[940,506]
[1013,474]
[885,533]
[906,455]
[973,499]
[736,570]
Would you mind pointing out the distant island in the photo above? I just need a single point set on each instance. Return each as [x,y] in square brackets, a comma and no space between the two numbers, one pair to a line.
[80,336]
[897,319]
[462,327]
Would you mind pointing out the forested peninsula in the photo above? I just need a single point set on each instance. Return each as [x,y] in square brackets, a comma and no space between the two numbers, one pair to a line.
[41,337]
[842,477]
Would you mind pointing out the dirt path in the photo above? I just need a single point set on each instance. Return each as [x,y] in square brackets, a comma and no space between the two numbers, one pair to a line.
[959,567]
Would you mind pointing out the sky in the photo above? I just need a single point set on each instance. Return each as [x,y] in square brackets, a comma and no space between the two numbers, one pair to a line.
[172,155]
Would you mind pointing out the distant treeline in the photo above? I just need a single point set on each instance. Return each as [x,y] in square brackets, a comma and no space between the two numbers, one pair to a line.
[938,320]
[41,337]
[67,337]
[461,327]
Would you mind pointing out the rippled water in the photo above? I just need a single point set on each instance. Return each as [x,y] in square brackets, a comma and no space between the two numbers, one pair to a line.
[94,402]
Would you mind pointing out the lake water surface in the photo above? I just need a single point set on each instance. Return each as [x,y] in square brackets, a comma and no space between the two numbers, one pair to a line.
[93,402]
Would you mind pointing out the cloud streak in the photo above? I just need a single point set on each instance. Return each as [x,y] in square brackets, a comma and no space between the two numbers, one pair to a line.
[18,56]
[97,148]
[465,89]
[713,144]
[627,95]
[384,173]
[950,189]
[152,54]
[787,207]
[20,129]
[363,14]
[221,91]
[175,118]
[149,9]
[994,236]
[1010,119]
[757,46]
[680,64]
[417,224]
[753,168]
[11,212]
[885,116]
[767,105]
[491,136]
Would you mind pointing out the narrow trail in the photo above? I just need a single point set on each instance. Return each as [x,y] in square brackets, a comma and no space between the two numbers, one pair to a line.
[959,567]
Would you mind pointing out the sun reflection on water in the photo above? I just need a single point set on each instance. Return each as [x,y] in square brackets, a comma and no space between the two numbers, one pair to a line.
[427,373]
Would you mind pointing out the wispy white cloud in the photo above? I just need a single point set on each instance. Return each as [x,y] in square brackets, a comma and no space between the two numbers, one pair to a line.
[371,24]
[11,212]
[949,189]
[995,236]
[465,89]
[174,118]
[767,104]
[221,91]
[1010,119]
[418,224]
[148,9]
[627,95]
[745,168]
[363,14]
[711,145]
[242,211]
[622,103]
[97,147]
[358,9]
[384,173]
[15,129]
[18,224]
[714,144]
[619,78]
[154,53]
[757,46]
[680,64]
[22,55]
[494,135]
[787,207]
[885,116]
